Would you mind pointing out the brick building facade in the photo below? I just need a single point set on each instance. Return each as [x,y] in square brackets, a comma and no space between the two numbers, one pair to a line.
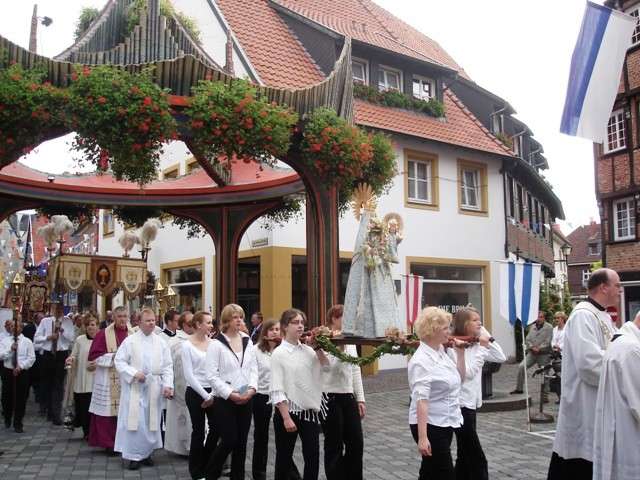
[617,168]
[586,249]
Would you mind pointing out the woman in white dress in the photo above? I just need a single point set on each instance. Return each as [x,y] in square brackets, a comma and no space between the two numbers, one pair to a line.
[83,374]
[342,425]
[198,395]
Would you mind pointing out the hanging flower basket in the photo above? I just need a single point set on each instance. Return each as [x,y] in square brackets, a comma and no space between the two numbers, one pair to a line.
[234,122]
[30,111]
[121,121]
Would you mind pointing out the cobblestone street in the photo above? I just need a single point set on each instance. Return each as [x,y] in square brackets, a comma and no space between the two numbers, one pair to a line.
[45,451]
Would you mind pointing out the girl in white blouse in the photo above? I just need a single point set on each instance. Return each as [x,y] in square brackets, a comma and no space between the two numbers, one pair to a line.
[232,372]
[83,374]
[296,391]
[198,396]
[435,376]
[342,426]
[471,463]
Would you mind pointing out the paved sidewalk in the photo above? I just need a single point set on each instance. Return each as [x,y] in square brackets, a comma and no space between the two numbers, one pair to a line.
[47,452]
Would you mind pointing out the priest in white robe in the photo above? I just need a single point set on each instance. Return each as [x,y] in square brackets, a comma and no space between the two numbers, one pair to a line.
[146,376]
[588,332]
[617,421]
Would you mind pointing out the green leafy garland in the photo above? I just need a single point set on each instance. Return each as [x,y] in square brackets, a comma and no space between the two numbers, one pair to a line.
[389,347]
[392,98]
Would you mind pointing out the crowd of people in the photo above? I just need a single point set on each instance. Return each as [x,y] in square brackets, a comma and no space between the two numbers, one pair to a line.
[195,385]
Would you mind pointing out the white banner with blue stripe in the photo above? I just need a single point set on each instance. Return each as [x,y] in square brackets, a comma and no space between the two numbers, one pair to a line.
[596,67]
[519,291]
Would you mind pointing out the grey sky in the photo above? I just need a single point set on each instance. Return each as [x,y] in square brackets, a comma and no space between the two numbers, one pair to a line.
[518,49]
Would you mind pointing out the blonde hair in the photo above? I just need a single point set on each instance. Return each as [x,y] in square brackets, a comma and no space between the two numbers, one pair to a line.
[227,315]
[430,320]
[147,311]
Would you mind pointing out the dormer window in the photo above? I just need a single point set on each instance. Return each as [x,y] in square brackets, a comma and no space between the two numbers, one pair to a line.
[389,79]
[497,122]
[360,69]
[423,88]
[517,146]
[635,12]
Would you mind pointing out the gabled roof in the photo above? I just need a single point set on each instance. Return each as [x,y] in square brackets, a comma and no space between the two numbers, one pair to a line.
[364,21]
[274,50]
[460,127]
[580,239]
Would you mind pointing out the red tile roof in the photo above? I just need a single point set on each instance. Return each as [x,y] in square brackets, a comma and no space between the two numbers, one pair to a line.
[369,23]
[580,239]
[460,127]
[273,49]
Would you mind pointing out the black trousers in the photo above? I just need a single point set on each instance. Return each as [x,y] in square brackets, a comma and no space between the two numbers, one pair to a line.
[14,396]
[232,423]
[52,380]
[309,433]
[81,402]
[439,465]
[34,378]
[343,442]
[573,468]
[262,411]
[200,450]
[471,464]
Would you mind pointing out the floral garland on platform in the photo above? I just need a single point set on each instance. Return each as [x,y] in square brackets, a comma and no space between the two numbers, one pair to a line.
[394,343]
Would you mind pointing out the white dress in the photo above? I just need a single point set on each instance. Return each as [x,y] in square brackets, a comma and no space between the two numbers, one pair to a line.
[138,432]
[587,335]
[617,419]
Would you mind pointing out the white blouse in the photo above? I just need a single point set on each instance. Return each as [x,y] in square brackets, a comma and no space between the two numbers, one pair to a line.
[557,340]
[474,358]
[343,377]
[226,373]
[194,369]
[433,376]
[83,383]
[264,371]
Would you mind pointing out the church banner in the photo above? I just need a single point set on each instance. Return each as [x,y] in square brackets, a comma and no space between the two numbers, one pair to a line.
[74,273]
[103,274]
[132,276]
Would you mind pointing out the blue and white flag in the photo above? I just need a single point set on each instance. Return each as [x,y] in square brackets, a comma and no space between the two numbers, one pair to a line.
[595,72]
[519,291]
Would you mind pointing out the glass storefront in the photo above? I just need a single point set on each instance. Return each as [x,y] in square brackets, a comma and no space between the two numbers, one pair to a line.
[451,287]
[187,283]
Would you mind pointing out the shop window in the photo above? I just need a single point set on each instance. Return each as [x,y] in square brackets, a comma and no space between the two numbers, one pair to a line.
[188,284]
[451,287]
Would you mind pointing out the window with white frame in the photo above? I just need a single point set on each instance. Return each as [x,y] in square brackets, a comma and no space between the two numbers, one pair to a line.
[616,138]
[470,197]
[497,122]
[419,178]
[624,219]
[635,12]
[423,88]
[586,274]
[360,69]
[389,79]
[594,248]
[517,146]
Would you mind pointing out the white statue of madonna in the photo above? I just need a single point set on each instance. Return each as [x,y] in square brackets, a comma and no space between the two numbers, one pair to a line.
[370,305]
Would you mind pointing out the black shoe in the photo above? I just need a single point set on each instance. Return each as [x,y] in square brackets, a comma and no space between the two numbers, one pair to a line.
[18,429]
[147,462]
[516,391]
[134,465]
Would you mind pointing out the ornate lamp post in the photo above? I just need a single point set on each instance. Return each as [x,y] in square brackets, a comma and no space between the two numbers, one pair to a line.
[17,289]
[170,297]
[159,294]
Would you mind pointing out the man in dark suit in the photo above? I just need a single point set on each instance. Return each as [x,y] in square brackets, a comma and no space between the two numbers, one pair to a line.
[256,326]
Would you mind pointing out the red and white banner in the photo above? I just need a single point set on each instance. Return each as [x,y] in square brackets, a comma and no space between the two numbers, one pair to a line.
[412,295]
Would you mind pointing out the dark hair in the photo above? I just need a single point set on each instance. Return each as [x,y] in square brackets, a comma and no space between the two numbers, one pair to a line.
[263,341]
[597,278]
[461,318]
[334,312]
[169,315]
[259,315]
[182,319]
[289,315]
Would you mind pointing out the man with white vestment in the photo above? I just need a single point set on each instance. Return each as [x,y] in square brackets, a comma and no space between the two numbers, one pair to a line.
[146,376]
[588,332]
[617,420]
[178,422]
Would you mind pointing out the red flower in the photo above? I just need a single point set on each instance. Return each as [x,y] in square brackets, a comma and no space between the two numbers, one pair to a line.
[143,127]
[197,124]
[74,76]
[315,147]
[146,101]
[102,100]
[248,122]
[86,71]
[134,90]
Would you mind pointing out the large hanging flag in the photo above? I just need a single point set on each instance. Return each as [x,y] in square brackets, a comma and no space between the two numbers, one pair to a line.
[412,296]
[596,66]
[29,260]
[519,291]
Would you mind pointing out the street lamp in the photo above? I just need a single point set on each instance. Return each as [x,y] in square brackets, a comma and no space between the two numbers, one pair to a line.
[158,293]
[566,251]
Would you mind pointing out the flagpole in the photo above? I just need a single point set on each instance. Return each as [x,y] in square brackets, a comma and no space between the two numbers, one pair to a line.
[526,382]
